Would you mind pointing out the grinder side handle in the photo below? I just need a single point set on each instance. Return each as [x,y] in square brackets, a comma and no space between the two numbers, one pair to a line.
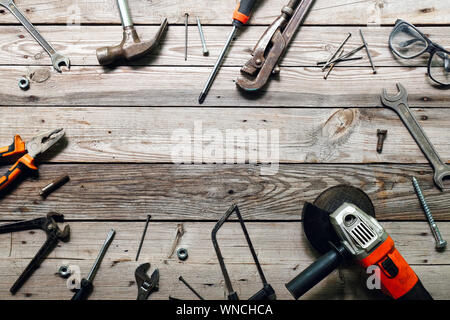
[316,272]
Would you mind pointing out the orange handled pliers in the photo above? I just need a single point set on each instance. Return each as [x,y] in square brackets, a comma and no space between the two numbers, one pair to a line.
[30,150]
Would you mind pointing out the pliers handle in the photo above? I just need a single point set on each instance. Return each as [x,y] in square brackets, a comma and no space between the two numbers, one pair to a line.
[25,162]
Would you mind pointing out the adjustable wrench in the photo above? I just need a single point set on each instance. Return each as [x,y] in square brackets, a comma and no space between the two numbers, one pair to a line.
[399,103]
[58,60]
[146,285]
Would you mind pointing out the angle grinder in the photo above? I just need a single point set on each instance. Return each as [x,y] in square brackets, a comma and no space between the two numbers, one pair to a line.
[341,225]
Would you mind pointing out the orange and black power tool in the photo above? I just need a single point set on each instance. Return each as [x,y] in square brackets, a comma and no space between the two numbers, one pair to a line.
[340,224]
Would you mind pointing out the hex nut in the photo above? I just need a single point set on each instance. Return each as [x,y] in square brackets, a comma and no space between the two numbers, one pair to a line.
[182,254]
[64,271]
[24,83]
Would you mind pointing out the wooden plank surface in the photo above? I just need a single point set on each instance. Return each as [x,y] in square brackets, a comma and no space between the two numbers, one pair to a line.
[281,247]
[151,135]
[341,12]
[121,122]
[310,45]
[169,192]
[153,86]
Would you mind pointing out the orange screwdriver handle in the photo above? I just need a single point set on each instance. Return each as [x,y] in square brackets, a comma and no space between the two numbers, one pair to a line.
[24,163]
[242,13]
[17,147]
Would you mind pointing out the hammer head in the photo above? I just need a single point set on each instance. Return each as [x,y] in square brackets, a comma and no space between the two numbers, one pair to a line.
[131,46]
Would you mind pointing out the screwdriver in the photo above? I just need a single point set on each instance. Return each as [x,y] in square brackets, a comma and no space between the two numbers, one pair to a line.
[240,17]
[86,286]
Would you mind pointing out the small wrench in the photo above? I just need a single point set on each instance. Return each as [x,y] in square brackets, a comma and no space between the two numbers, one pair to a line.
[58,60]
[146,285]
[399,103]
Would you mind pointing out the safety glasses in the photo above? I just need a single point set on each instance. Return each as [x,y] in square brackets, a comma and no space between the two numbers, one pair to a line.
[407,42]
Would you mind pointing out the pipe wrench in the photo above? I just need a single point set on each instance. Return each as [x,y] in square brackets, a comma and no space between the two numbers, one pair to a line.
[58,60]
[272,46]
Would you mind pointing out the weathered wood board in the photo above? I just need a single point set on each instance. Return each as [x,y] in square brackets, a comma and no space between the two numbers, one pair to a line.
[196,192]
[153,86]
[281,247]
[122,125]
[152,135]
[310,45]
[324,12]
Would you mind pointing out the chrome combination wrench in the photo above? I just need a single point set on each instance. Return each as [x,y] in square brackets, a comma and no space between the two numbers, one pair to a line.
[58,60]
[399,103]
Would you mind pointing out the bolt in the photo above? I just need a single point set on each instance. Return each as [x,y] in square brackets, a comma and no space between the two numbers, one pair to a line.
[440,242]
[54,185]
[202,37]
[381,137]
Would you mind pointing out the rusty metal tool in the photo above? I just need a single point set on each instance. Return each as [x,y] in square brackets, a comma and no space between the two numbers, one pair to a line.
[87,283]
[30,150]
[381,134]
[339,60]
[272,46]
[131,46]
[178,235]
[344,57]
[58,60]
[240,18]
[368,51]
[332,65]
[267,292]
[333,56]
[146,285]
[54,235]
[399,103]
[55,184]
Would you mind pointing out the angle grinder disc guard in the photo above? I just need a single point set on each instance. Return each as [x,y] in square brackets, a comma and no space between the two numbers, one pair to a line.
[316,220]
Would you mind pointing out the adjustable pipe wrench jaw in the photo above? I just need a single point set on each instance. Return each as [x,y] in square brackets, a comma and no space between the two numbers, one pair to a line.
[272,46]
[252,78]
[254,65]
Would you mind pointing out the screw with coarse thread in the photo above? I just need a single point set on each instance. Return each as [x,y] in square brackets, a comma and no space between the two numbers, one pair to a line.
[440,242]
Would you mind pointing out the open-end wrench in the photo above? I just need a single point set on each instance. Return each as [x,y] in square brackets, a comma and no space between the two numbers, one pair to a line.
[399,103]
[58,60]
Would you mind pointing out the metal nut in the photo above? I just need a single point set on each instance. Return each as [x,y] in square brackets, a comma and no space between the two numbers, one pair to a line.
[64,271]
[182,254]
[24,83]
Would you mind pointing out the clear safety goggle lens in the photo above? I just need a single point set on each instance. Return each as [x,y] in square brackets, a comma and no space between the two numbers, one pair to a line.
[407,42]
